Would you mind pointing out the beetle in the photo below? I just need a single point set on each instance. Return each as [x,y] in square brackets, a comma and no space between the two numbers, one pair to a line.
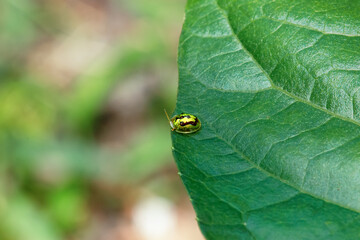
[184,123]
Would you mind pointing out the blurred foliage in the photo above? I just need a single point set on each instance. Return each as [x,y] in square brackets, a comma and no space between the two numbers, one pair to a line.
[83,85]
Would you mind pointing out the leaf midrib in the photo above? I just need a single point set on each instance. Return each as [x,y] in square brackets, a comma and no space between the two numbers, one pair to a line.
[297,25]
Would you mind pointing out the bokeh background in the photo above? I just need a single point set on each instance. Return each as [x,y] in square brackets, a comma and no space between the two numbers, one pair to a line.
[84,143]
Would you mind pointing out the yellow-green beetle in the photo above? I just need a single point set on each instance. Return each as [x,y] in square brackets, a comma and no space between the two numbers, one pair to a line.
[184,123]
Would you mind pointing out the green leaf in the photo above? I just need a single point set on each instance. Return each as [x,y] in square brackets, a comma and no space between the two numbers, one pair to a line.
[276,86]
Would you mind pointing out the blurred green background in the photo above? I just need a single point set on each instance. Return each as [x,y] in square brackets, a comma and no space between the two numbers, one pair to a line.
[84,142]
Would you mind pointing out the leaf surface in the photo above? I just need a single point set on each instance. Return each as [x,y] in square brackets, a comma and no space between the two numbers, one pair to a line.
[276,86]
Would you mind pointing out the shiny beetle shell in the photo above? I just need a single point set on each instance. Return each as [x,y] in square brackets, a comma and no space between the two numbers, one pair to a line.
[184,123]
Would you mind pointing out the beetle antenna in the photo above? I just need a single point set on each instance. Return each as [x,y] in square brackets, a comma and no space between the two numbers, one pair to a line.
[167,114]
